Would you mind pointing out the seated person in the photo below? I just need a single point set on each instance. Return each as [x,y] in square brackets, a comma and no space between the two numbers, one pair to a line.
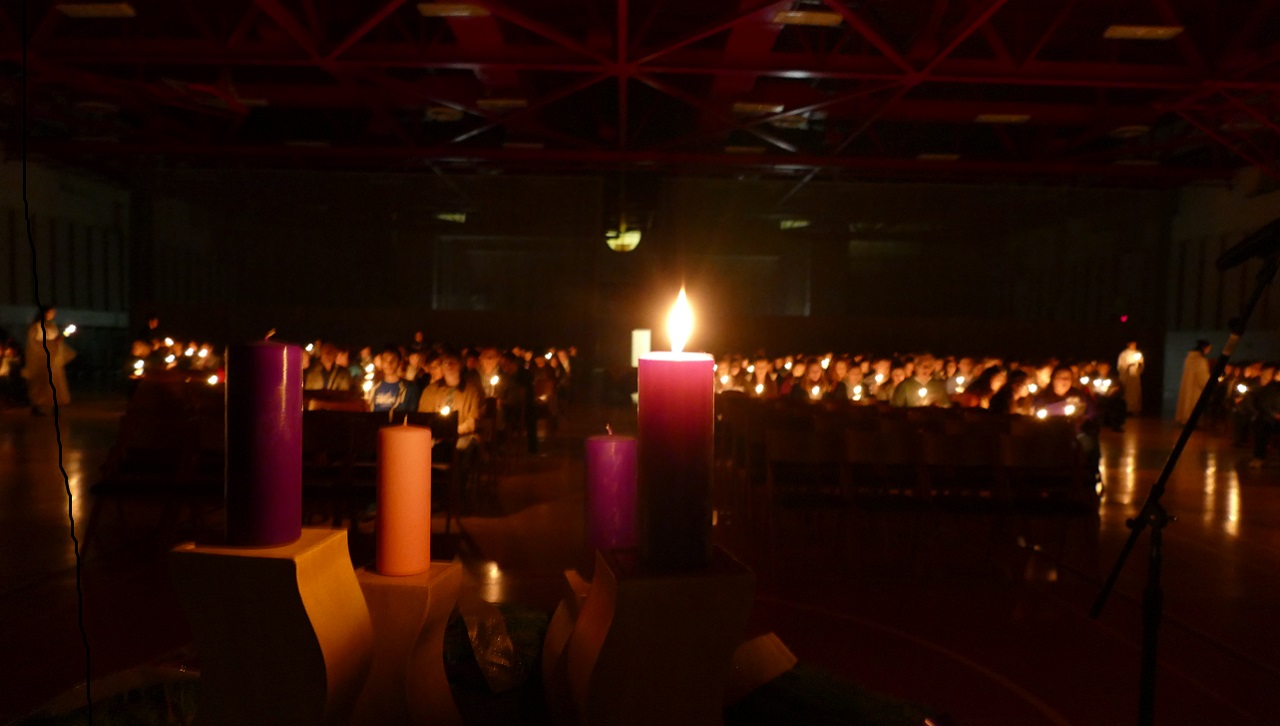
[325,374]
[1266,405]
[1063,398]
[454,392]
[392,393]
[921,389]
[812,386]
[979,391]
[1014,396]
[852,388]
[761,383]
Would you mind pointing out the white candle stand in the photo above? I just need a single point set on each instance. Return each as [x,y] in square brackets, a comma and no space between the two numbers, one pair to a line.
[282,633]
[407,684]
[650,647]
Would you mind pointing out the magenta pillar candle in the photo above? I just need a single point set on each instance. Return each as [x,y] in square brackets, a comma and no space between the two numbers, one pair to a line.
[611,492]
[264,444]
[677,421]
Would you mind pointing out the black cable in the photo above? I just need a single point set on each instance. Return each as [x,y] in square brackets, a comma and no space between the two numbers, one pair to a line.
[48,365]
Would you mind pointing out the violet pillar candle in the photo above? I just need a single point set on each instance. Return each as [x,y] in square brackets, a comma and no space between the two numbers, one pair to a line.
[611,492]
[264,444]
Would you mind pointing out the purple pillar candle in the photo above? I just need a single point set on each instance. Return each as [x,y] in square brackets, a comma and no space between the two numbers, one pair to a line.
[264,444]
[677,422]
[611,492]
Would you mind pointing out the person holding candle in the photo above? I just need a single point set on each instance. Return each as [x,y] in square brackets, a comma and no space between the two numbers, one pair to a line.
[325,374]
[453,392]
[761,383]
[44,331]
[392,393]
[921,389]
[813,385]
[1195,374]
[1130,367]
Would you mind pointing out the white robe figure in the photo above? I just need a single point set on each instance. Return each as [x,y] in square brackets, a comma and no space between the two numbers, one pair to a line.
[1130,368]
[1195,373]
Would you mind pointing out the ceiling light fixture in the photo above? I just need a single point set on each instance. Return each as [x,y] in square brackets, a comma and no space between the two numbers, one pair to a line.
[1002,118]
[452,10]
[1142,32]
[502,104]
[757,109]
[807,17]
[442,114]
[1131,131]
[97,10]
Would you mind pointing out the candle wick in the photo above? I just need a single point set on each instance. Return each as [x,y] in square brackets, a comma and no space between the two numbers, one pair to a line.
[608,429]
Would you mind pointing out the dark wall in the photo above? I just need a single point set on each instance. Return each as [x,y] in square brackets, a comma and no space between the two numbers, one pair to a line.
[1009,270]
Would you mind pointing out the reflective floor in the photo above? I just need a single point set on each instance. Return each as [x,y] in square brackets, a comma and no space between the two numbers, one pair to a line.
[983,620]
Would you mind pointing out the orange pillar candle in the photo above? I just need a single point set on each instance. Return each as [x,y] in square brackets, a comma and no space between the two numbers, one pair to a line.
[404,500]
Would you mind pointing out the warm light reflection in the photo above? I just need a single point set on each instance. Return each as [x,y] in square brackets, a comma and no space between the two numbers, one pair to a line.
[1210,487]
[680,322]
[492,585]
[1233,505]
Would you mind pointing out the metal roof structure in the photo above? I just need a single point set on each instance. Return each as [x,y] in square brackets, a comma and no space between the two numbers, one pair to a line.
[1134,92]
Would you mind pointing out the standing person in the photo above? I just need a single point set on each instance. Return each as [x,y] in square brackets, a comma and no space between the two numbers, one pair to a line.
[1195,373]
[43,329]
[1129,368]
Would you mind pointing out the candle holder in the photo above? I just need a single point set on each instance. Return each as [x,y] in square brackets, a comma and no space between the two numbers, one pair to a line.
[283,633]
[650,647]
[407,682]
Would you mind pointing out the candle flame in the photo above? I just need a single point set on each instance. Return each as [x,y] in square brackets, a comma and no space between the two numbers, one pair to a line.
[1042,414]
[444,411]
[759,388]
[493,381]
[922,392]
[71,329]
[139,364]
[815,391]
[724,380]
[1069,410]
[680,322]
[1242,388]
[168,341]
[213,380]
[1033,387]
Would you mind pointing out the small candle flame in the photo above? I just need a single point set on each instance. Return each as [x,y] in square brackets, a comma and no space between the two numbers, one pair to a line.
[1069,409]
[444,410]
[787,365]
[70,330]
[169,358]
[759,388]
[493,381]
[368,386]
[879,378]
[1084,380]
[168,341]
[139,364]
[1242,388]
[1042,414]
[815,391]
[724,380]
[751,369]
[189,352]
[311,347]
[826,362]
[213,380]
[680,322]
[960,380]
[857,391]
[1033,387]
[922,392]
[204,353]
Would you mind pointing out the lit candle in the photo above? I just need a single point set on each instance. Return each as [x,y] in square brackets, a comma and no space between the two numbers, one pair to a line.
[444,410]
[1032,387]
[611,492]
[139,364]
[1069,409]
[403,544]
[169,358]
[1042,414]
[264,444]
[1242,388]
[1084,380]
[70,330]
[213,379]
[493,380]
[168,342]
[922,392]
[813,392]
[676,423]
[759,388]
[879,378]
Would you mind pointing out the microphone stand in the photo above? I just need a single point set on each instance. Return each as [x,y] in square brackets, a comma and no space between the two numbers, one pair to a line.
[1154,515]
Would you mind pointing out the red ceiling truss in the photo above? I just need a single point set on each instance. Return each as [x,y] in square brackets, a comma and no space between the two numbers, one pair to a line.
[890,89]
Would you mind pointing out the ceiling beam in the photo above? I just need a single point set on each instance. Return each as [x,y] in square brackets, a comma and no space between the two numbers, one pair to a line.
[876,40]
[611,158]
[976,21]
[1230,145]
[364,28]
[702,105]
[760,9]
